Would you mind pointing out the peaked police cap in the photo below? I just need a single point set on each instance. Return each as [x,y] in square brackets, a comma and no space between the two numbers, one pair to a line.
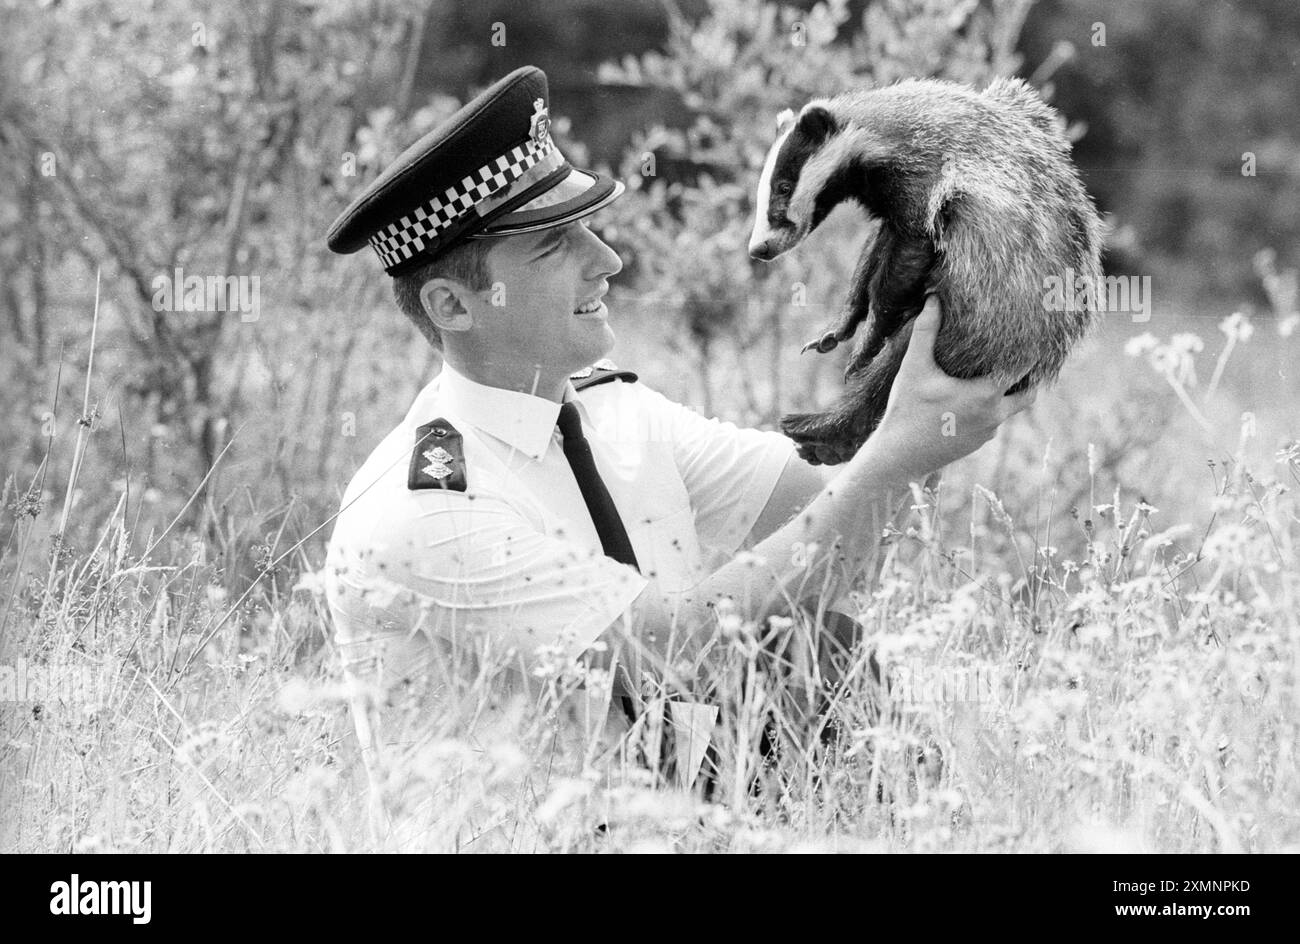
[490,170]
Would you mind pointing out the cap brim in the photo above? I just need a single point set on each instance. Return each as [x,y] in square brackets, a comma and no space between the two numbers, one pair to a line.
[578,194]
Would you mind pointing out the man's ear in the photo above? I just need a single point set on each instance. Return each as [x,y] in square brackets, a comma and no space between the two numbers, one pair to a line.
[441,299]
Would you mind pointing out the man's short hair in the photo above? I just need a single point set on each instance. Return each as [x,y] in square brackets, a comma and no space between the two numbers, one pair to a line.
[466,262]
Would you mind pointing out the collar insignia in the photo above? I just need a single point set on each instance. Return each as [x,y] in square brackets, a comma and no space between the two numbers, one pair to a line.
[603,364]
[603,371]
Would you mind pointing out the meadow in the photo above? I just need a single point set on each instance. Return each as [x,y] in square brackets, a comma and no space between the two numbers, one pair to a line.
[1090,633]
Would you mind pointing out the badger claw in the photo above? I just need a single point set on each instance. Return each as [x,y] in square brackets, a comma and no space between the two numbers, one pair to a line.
[827,342]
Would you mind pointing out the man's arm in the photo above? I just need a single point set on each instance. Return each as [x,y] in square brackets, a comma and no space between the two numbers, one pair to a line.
[848,514]
[799,484]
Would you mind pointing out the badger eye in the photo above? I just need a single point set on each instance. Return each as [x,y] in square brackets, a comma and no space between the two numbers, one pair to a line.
[784,188]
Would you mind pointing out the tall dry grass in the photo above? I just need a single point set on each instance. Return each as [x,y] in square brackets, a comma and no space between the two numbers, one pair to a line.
[1068,670]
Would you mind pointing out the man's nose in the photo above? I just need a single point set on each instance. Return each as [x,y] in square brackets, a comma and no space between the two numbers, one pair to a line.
[604,258]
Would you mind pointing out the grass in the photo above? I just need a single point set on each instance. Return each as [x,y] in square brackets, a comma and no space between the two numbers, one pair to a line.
[1082,655]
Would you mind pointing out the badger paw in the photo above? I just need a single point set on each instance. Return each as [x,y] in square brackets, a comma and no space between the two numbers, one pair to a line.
[821,453]
[821,438]
[826,342]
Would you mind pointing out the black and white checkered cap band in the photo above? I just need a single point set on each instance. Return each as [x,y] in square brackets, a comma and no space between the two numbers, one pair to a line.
[409,236]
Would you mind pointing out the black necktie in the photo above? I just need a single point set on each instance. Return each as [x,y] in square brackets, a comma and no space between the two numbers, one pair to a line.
[604,515]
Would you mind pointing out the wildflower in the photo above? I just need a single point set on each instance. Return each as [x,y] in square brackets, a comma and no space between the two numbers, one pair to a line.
[1137,346]
[28,505]
[1237,327]
[296,696]
[312,582]
[779,624]
[565,793]
[553,659]
[731,626]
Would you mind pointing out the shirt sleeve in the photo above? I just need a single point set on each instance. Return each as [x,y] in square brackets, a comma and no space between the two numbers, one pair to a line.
[472,569]
[729,472]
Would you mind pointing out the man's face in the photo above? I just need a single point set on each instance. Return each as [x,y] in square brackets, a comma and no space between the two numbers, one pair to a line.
[545,304]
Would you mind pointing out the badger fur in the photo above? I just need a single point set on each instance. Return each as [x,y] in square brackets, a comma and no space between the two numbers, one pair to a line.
[977,201]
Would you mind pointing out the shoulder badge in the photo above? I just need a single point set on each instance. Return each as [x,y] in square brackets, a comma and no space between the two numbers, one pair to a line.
[439,458]
[603,371]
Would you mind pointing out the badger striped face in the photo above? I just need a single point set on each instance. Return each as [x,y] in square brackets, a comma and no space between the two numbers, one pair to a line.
[774,231]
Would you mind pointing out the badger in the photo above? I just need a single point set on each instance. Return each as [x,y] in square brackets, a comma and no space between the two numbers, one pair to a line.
[976,199]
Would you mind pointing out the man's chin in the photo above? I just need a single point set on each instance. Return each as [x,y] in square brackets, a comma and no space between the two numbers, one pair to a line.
[591,352]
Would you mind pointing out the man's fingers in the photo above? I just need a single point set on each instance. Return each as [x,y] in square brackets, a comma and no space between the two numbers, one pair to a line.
[925,328]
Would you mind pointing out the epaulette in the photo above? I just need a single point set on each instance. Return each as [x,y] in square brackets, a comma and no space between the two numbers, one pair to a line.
[439,458]
[603,371]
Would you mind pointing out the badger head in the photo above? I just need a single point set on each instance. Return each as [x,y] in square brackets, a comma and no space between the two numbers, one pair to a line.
[776,229]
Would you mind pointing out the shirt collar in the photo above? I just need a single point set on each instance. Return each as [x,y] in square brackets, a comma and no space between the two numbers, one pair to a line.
[520,420]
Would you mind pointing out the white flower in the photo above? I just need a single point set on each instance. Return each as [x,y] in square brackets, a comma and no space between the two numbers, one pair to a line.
[1184,342]
[1141,344]
[311,581]
[1237,327]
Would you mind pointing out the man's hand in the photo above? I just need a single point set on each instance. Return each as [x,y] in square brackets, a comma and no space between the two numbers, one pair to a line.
[932,418]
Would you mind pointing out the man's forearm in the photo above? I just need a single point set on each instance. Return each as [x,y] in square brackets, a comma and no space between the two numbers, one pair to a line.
[844,523]
[824,546]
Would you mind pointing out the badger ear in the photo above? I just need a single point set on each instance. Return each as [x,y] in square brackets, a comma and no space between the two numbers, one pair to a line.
[816,122]
[784,121]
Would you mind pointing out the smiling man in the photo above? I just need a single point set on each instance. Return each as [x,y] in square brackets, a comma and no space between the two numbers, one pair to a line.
[536,499]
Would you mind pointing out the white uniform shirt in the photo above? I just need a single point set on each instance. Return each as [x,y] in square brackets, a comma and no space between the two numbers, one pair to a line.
[516,555]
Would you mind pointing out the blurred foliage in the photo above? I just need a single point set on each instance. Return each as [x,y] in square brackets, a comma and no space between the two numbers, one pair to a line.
[1172,102]
[216,139]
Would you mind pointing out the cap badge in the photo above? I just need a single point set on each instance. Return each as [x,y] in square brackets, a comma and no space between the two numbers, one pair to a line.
[540,130]
[440,463]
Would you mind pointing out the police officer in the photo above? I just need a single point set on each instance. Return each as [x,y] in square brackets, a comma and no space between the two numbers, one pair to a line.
[539,499]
